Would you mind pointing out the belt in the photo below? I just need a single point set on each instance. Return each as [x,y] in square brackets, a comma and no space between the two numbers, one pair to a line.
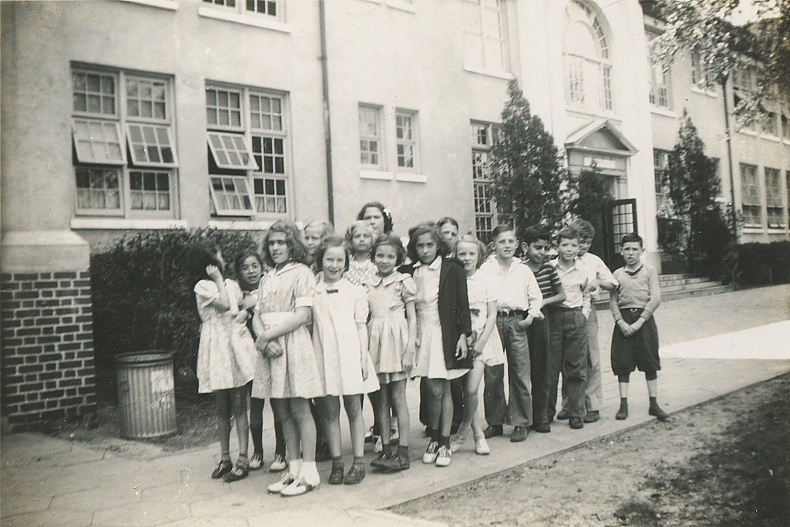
[562,308]
[633,309]
[511,313]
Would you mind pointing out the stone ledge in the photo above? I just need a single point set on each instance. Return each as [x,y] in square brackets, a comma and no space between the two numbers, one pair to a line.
[43,251]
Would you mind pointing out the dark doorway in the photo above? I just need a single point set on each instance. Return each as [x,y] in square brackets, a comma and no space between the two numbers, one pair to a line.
[619,218]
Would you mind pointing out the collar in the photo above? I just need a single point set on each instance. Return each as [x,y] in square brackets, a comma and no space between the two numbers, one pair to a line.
[575,265]
[340,285]
[633,273]
[391,278]
[285,268]
[436,264]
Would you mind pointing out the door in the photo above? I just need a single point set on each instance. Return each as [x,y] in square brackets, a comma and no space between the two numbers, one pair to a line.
[619,218]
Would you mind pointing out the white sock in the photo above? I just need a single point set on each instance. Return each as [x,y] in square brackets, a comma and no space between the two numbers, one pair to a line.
[310,473]
[295,467]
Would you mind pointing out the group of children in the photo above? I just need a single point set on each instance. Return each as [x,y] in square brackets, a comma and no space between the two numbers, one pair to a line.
[320,317]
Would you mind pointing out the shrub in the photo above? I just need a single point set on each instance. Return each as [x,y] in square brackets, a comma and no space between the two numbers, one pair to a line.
[143,298]
[761,263]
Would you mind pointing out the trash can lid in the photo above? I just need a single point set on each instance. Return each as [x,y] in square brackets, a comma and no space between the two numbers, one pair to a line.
[144,358]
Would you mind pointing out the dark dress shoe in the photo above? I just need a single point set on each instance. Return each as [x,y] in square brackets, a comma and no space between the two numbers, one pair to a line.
[576,422]
[541,428]
[563,415]
[592,416]
[355,474]
[519,434]
[239,472]
[492,431]
[223,468]
[336,476]
[658,413]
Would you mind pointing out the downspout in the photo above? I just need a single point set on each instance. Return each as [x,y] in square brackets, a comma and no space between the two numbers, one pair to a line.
[327,123]
[729,155]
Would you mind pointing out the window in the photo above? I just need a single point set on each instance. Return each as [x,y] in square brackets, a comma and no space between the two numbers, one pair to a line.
[699,77]
[248,156]
[587,65]
[370,155]
[124,144]
[261,7]
[773,198]
[660,163]
[486,38]
[769,123]
[482,141]
[660,82]
[406,139]
[750,196]
[743,78]
[785,127]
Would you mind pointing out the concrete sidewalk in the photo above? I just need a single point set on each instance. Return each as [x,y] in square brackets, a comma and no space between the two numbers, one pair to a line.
[710,346]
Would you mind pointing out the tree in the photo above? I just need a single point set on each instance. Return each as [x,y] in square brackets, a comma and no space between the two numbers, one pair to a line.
[693,188]
[529,180]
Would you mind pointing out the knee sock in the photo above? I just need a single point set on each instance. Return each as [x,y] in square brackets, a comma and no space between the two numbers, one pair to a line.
[257,438]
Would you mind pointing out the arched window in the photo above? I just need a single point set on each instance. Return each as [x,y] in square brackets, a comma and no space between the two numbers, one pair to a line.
[587,61]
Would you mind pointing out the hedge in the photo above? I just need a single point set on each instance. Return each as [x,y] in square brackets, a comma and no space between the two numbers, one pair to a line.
[761,263]
[142,298]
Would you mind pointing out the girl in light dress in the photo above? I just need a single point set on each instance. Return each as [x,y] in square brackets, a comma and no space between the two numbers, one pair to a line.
[443,323]
[249,269]
[485,346]
[340,337]
[226,354]
[360,238]
[288,372]
[393,332]
[314,233]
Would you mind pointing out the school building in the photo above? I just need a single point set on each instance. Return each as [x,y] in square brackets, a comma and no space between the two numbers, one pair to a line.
[126,115]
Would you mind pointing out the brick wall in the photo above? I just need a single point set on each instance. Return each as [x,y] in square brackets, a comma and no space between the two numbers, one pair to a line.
[47,348]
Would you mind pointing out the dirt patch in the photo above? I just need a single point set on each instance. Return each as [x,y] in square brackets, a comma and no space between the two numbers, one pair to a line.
[724,463]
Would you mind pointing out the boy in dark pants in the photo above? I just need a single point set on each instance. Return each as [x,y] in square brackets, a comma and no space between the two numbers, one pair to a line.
[536,243]
[568,329]
[635,337]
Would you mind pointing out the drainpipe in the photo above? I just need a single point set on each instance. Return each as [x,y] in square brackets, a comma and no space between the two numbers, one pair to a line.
[327,125]
[729,154]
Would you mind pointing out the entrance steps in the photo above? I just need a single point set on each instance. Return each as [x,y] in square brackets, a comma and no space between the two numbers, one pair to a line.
[674,286]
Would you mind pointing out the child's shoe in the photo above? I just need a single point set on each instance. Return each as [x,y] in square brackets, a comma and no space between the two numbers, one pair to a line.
[658,413]
[592,416]
[223,468]
[381,460]
[239,472]
[457,441]
[286,480]
[256,461]
[575,423]
[336,476]
[297,488]
[355,475]
[397,463]
[481,447]
[622,413]
[279,464]
[431,452]
[443,457]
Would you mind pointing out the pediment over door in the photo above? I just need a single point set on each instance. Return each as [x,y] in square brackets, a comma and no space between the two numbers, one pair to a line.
[600,144]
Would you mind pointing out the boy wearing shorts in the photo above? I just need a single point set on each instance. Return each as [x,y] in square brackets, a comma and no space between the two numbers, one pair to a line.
[635,337]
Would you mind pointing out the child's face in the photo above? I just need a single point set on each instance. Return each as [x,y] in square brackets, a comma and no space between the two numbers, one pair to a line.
[312,239]
[278,248]
[449,233]
[536,251]
[334,263]
[376,219]
[385,259]
[250,271]
[632,253]
[361,242]
[568,248]
[584,244]
[469,255]
[426,248]
[505,245]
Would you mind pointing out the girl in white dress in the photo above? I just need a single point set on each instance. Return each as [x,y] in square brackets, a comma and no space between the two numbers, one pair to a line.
[485,346]
[340,337]
[443,323]
[288,372]
[393,333]
[226,354]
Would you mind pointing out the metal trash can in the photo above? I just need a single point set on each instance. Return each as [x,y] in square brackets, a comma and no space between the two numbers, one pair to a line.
[145,394]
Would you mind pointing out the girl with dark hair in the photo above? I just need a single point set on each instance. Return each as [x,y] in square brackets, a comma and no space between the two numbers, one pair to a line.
[444,324]
[378,216]
[226,354]
[288,373]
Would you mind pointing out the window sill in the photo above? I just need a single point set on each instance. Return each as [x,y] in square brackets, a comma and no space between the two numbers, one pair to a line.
[745,131]
[169,5]
[411,178]
[247,20]
[236,225]
[658,110]
[375,174]
[771,137]
[126,223]
[489,72]
[753,228]
[702,91]
[403,6]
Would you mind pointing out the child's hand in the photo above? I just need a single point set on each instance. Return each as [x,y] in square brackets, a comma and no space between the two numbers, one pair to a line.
[248,302]
[408,358]
[213,272]
[241,317]
[365,371]
[636,326]
[261,343]
[460,349]
[527,322]
[625,328]
[273,350]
